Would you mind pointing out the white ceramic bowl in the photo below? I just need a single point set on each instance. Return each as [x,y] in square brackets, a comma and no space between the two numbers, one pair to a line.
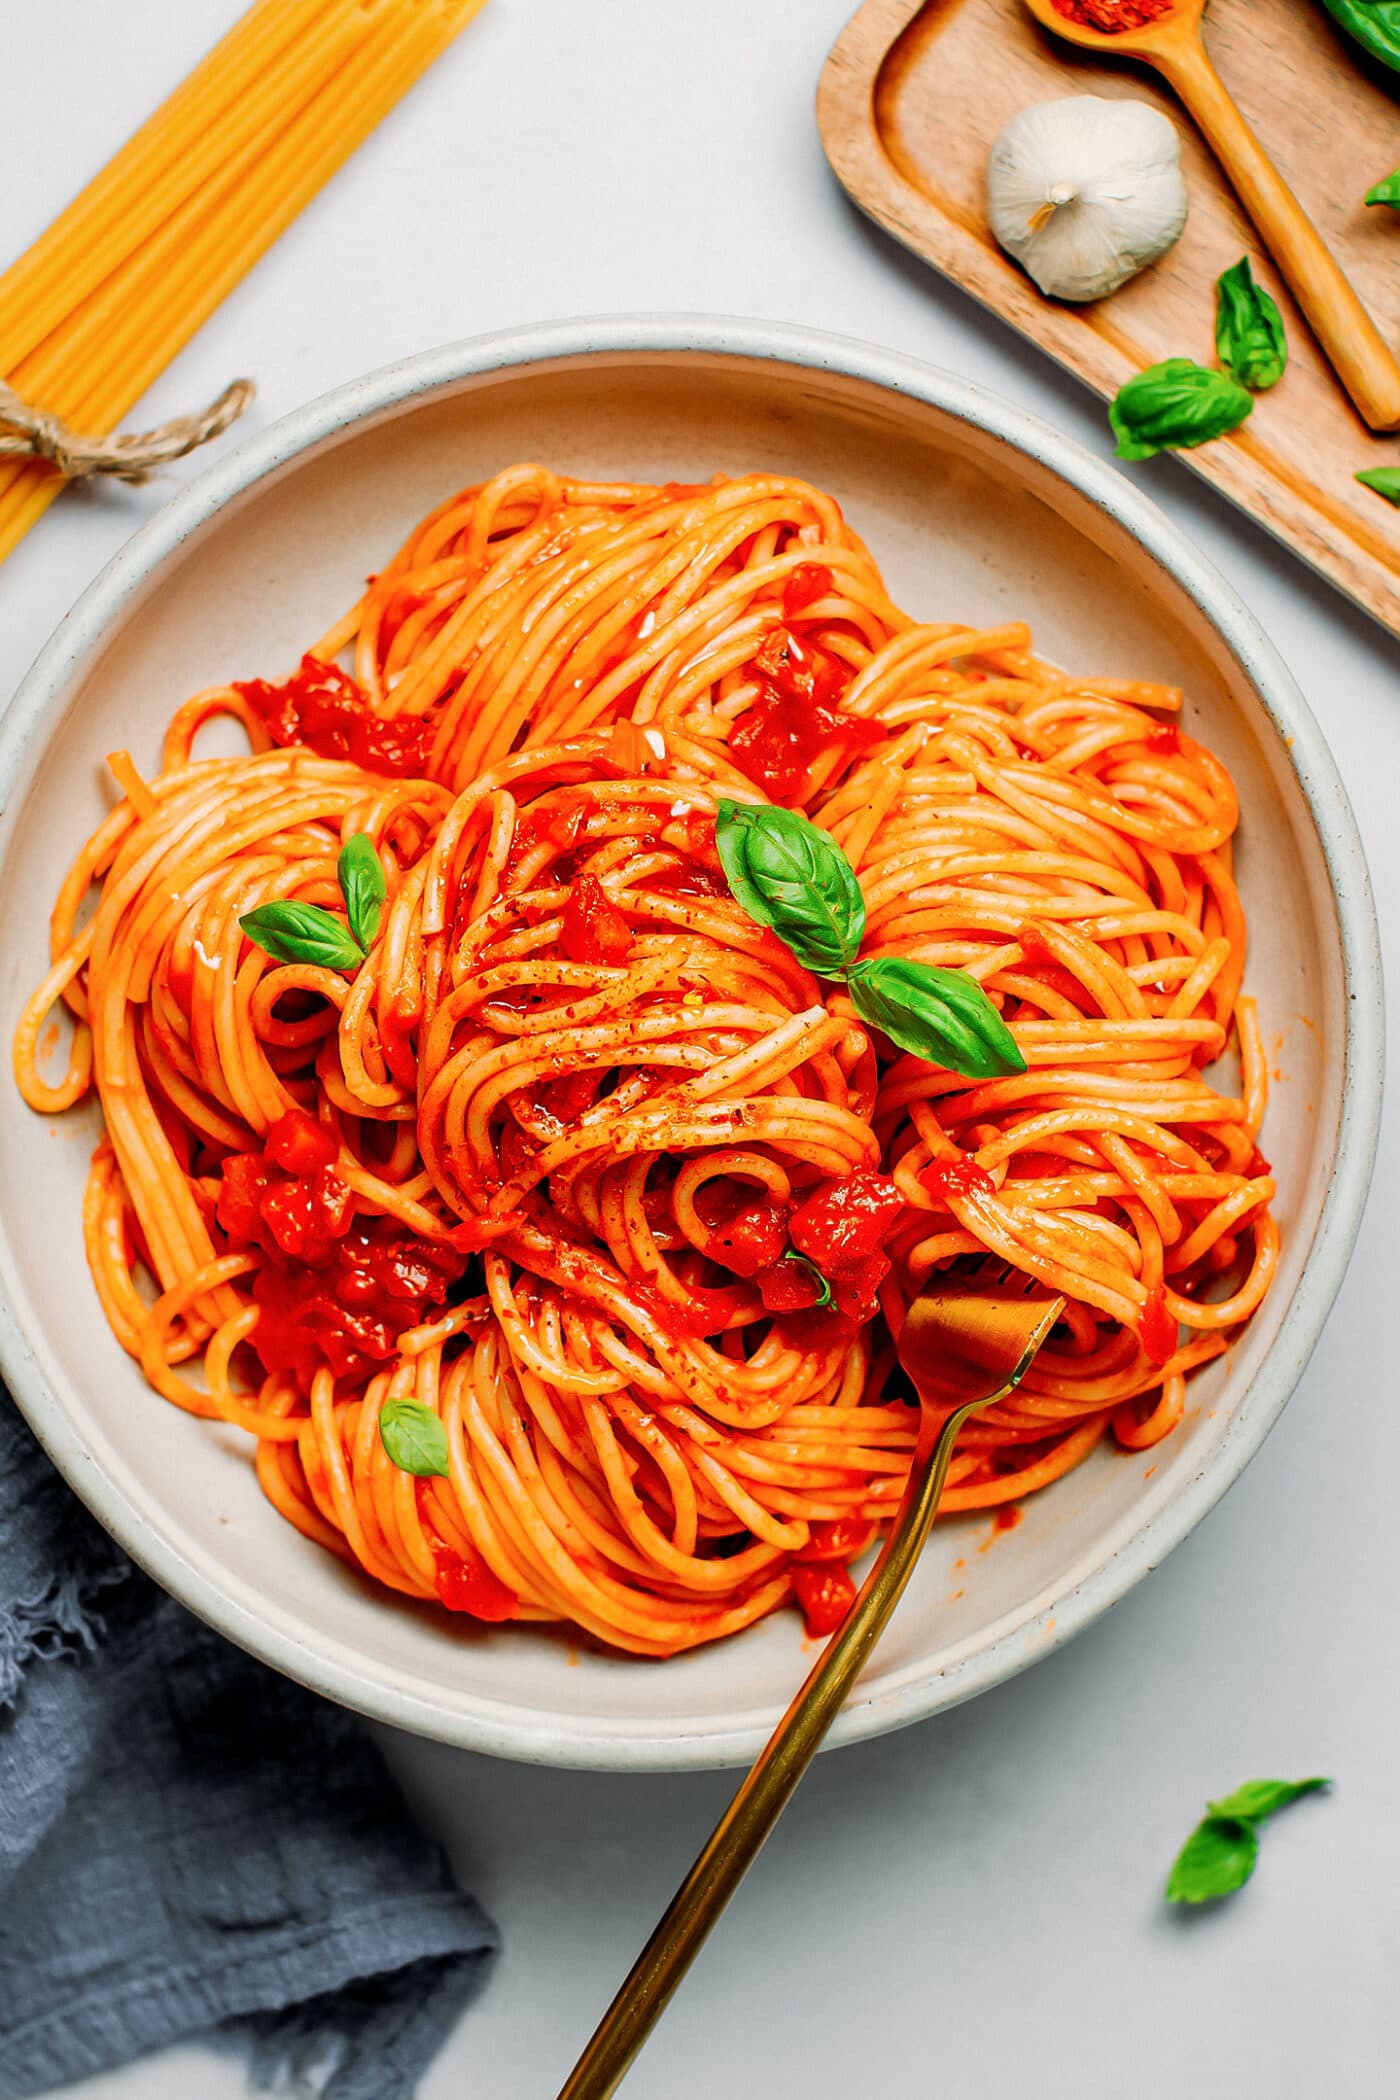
[977,512]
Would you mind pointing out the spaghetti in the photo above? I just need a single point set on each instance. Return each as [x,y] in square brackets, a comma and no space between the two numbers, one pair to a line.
[577,1168]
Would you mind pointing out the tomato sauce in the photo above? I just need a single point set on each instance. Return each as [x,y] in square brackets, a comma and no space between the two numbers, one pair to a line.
[594,930]
[796,717]
[824,1596]
[1157,1330]
[944,1178]
[334,1289]
[322,707]
[809,581]
[468,1585]
[1164,739]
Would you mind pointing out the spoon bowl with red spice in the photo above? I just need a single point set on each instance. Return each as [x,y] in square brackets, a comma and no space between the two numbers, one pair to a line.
[1166,35]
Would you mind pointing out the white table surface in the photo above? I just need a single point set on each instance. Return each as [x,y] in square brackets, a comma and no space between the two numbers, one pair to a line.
[971,1907]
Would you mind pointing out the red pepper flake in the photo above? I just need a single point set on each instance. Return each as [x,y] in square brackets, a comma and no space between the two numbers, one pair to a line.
[594,931]
[1157,1330]
[1112,17]
[1165,739]
[809,581]
[945,1178]
[470,1586]
[824,1596]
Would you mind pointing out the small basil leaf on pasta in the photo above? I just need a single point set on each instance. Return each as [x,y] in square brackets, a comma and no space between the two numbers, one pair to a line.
[363,886]
[1384,480]
[943,1015]
[1216,1859]
[792,876]
[1259,1798]
[302,933]
[1249,337]
[414,1438]
[1174,405]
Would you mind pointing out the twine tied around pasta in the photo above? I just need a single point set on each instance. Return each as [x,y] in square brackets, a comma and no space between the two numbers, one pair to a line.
[33,433]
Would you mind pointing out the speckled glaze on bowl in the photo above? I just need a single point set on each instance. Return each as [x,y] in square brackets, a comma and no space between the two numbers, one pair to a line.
[976,511]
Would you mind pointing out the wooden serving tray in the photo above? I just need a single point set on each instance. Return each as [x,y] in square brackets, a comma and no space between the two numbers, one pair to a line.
[916,90]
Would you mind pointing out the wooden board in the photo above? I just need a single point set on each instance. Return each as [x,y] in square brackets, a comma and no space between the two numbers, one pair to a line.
[916,90]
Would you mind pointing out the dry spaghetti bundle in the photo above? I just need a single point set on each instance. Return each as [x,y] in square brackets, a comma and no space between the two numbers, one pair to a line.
[103,301]
[530,1126]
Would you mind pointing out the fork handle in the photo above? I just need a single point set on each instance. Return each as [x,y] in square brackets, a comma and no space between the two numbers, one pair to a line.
[1353,344]
[740,1833]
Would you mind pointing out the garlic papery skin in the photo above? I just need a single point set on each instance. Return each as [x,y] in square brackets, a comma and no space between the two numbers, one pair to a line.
[1086,192]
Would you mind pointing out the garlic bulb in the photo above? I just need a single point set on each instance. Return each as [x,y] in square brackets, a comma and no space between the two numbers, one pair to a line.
[1086,192]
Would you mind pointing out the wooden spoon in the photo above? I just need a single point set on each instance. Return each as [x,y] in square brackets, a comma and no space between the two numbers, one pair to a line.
[1172,45]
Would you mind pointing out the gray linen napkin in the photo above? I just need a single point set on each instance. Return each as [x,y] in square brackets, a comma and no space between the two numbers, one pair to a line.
[189,1842]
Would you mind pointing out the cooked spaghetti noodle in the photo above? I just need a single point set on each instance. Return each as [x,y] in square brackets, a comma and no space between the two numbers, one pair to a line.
[557,1162]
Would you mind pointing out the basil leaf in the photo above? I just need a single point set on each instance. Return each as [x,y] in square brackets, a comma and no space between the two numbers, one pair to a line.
[1175,405]
[1216,1859]
[414,1438]
[788,874]
[1387,192]
[363,886]
[943,1015]
[815,1273]
[1384,480]
[1259,1798]
[1249,338]
[293,932]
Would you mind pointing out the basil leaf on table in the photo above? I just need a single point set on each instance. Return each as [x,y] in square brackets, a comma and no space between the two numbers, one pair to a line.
[1384,480]
[1249,337]
[1175,405]
[792,876]
[943,1015]
[363,886]
[1221,1852]
[292,932]
[1258,1798]
[414,1438]
[1217,1858]
[1387,192]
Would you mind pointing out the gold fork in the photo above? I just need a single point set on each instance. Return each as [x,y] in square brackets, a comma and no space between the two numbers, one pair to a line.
[967,1341]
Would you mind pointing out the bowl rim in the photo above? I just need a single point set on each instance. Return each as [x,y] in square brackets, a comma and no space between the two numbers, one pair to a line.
[319,1661]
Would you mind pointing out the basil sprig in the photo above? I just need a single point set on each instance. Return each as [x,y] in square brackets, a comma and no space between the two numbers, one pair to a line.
[414,1438]
[1175,405]
[362,885]
[1384,480]
[1249,337]
[916,1003]
[1386,192]
[1220,1854]
[789,874]
[293,932]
